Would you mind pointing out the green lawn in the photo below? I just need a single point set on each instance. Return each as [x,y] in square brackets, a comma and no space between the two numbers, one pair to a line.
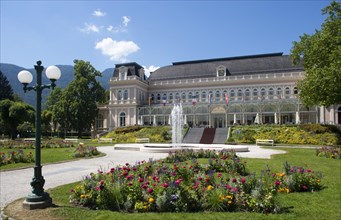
[318,205]
[48,155]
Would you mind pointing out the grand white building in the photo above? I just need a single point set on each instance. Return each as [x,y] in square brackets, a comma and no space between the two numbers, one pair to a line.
[213,92]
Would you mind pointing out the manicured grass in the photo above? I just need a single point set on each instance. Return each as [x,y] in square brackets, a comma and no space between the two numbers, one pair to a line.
[324,204]
[48,155]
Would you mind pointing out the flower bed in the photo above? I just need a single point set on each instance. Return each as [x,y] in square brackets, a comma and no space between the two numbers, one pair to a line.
[172,186]
[16,156]
[329,152]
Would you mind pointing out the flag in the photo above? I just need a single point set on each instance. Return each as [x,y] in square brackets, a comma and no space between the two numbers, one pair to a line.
[226,99]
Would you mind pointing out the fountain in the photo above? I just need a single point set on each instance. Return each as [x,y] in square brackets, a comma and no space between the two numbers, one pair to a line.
[177,125]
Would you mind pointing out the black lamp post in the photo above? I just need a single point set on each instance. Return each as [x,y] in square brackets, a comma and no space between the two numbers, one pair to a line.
[38,198]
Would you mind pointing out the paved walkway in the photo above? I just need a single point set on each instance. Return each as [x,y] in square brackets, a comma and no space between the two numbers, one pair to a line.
[16,184]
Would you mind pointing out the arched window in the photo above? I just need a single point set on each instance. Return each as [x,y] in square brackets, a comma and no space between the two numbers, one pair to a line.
[271,93]
[183,97]
[279,93]
[152,98]
[217,96]
[119,95]
[203,96]
[125,95]
[177,96]
[197,95]
[190,96]
[122,119]
[232,94]
[158,97]
[296,91]
[247,94]
[255,94]
[240,94]
[171,97]
[262,93]
[99,121]
[287,92]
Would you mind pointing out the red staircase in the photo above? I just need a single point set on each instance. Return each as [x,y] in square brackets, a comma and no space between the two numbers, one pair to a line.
[208,136]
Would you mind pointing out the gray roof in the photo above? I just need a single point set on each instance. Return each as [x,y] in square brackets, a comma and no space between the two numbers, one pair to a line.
[242,65]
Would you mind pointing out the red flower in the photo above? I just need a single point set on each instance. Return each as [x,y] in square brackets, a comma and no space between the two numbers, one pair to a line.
[219,175]
[243,180]
[277,183]
[165,185]
[234,180]
[150,190]
[141,179]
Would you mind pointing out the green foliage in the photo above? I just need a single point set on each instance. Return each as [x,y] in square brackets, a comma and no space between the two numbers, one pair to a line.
[17,156]
[315,134]
[14,113]
[157,186]
[85,151]
[329,152]
[75,107]
[6,91]
[320,54]
[159,134]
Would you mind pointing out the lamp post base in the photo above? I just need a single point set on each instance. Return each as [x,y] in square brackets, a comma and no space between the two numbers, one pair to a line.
[44,202]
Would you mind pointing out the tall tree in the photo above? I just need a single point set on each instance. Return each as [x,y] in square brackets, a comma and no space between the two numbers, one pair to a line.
[320,54]
[6,91]
[13,114]
[81,96]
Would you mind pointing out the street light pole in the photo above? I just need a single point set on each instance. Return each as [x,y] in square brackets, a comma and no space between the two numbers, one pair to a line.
[38,198]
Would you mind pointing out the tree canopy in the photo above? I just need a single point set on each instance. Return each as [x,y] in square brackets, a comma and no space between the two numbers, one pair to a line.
[6,91]
[75,107]
[320,54]
[12,114]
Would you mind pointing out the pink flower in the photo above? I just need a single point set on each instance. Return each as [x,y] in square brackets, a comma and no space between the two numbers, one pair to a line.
[234,180]
[165,185]
[277,183]
[243,180]
[150,190]
[177,182]
[101,182]
[144,186]
[219,175]
[141,179]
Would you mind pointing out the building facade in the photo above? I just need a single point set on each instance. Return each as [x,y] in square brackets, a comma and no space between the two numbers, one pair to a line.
[216,93]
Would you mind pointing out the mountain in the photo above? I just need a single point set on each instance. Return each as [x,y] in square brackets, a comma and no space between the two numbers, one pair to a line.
[11,71]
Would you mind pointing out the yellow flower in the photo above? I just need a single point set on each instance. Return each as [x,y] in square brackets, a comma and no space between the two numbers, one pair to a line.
[151,200]
[229,202]
[287,190]
[83,196]
[228,197]
[210,187]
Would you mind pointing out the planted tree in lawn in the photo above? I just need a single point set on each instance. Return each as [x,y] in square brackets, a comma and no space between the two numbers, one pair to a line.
[14,113]
[81,96]
[6,91]
[320,54]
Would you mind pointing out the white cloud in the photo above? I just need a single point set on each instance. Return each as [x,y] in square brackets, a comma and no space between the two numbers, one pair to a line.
[125,21]
[98,13]
[88,28]
[110,28]
[117,50]
[150,69]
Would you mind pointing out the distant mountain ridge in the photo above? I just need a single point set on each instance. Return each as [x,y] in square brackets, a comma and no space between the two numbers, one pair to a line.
[11,71]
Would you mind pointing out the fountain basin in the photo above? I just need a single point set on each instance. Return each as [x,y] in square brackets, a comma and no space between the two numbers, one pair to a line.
[166,148]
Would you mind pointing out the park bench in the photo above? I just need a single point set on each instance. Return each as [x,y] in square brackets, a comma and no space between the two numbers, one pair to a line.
[29,139]
[265,142]
[75,140]
[142,140]
[105,140]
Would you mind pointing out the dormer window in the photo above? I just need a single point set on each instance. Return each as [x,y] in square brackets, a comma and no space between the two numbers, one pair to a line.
[123,73]
[141,73]
[221,71]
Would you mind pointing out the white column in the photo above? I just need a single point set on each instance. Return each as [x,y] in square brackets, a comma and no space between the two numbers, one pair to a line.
[332,115]
[322,115]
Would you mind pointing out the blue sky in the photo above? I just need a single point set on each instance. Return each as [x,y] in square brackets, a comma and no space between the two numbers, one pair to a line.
[151,33]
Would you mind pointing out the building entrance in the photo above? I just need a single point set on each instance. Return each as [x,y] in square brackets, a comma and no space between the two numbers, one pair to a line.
[219,121]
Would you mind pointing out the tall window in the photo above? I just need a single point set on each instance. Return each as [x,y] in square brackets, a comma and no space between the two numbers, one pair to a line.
[190,96]
[183,97]
[232,94]
[262,93]
[122,119]
[247,94]
[217,96]
[203,96]
[171,97]
[240,94]
[255,94]
[125,95]
[119,95]
[99,121]
[287,92]
[279,93]
[271,93]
